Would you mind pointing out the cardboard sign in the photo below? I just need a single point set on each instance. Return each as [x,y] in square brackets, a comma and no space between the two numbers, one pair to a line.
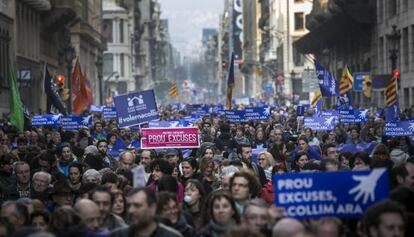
[158,138]
[340,194]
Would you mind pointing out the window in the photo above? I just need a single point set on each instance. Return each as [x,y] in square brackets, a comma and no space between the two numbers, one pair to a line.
[405,52]
[381,53]
[121,31]
[107,30]
[122,64]
[299,1]
[108,64]
[4,55]
[392,7]
[298,58]
[380,10]
[299,21]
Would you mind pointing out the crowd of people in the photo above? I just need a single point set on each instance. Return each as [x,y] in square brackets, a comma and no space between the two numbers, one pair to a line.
[81,183]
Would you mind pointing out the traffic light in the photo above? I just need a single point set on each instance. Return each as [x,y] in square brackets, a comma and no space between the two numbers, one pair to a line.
[60,80]
[396,73]
[63,91]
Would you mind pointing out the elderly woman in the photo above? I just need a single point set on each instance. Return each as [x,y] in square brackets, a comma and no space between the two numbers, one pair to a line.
[91,176]
[266,161]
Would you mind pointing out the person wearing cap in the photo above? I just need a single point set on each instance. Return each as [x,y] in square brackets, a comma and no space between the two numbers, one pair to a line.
[61,195]
[172,157]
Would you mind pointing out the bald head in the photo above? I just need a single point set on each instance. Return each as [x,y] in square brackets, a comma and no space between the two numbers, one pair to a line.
[287,227]
[89,213]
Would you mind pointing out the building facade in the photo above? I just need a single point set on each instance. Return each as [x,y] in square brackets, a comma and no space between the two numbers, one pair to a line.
[35,33]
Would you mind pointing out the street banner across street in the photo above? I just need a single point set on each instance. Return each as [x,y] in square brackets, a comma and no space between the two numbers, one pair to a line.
[158,138]
[46,120]
[339,194]
[136,108]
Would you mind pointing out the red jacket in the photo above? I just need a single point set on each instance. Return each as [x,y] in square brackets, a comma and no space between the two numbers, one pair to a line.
[267,193]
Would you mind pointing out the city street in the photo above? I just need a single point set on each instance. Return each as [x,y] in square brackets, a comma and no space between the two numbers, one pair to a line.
[207,118]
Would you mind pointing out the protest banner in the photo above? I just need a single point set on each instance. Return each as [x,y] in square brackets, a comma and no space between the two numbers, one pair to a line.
[235,116]
[157,138]
[257,113]
[399,129]
[46,120]
[136,108]
[320,123]
[339,194]
[109,113]
[76,122]
[170,124]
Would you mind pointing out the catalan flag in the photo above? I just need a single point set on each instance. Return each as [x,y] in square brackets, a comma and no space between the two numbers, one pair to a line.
[347,81]
[230,83]
[173,92]
[316,98]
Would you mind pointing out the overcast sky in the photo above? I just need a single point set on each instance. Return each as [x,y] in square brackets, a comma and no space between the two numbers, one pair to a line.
[186,20]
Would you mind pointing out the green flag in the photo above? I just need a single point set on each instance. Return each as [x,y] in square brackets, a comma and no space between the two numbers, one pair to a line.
[16,109]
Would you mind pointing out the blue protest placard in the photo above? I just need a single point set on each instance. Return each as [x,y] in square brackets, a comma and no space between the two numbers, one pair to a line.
[235,116]
[257,113]
[109,113]
[75,122]
[97,108]
[399,129]
[330,113]
[320,123]
[300,110]
[361,115]
[170,124]
[339,194]
[191,118]
[136,108]
[46,120]
[346,116]
[359,80]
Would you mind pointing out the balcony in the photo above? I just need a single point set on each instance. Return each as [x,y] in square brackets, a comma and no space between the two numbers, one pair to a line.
[40,5]
[64,12]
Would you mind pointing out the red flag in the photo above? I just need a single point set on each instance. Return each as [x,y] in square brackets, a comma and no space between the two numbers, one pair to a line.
[81,94]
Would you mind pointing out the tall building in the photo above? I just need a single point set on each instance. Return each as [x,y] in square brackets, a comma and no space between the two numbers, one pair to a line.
[290,16]
[117,27]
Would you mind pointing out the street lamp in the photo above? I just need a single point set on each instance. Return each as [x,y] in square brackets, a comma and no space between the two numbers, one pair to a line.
[69,54]
[394,39]
[99,67]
